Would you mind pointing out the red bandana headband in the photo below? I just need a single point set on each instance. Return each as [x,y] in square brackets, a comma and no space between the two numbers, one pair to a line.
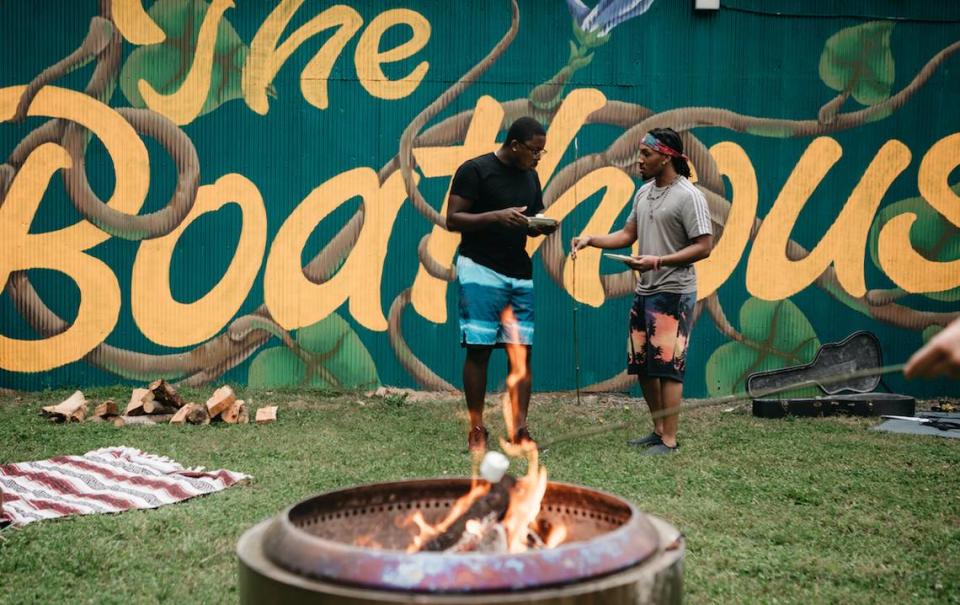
[660,147]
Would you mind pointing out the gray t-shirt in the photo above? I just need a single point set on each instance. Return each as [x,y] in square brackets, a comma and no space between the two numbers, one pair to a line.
[668,219]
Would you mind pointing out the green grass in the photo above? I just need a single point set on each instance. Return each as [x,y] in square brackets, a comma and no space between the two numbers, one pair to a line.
[774,511]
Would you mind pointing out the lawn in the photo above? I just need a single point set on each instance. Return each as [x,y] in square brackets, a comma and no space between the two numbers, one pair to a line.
[774,511]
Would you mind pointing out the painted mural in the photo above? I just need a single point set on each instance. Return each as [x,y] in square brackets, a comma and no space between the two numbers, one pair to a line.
[254,191]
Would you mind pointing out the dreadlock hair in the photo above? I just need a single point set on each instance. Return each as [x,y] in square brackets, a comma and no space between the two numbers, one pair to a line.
[672,139]
[524,129]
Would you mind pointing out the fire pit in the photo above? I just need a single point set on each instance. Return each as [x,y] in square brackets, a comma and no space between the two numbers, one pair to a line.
[347,546]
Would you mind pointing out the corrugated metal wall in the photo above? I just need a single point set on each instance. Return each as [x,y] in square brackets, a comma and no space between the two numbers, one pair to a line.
[194,299]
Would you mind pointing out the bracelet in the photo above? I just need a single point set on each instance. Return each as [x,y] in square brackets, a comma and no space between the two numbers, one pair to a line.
[657,263]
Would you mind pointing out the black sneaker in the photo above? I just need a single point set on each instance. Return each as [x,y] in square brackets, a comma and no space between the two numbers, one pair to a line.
[477,439]
[652,439]
[661,449]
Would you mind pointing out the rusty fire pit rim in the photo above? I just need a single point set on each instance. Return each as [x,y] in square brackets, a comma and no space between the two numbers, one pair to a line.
[283,519]
[259,575]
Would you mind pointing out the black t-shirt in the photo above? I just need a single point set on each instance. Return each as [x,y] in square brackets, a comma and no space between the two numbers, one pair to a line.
[492,185]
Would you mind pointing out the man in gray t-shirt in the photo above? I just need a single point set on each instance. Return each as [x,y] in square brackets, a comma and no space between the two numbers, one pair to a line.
[667,219]
[671,223]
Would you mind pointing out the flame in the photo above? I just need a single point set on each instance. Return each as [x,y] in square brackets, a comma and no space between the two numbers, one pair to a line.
[527,494]
[427,532]
[525,497]
[520,520]
[368,541]
[556,536]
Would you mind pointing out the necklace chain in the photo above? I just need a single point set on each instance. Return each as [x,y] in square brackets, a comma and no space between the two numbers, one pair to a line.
[651,199]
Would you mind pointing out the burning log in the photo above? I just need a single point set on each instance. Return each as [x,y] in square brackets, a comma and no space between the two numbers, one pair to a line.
[487,535]
[71,409]
[484,512]
[491,507]
[191,413]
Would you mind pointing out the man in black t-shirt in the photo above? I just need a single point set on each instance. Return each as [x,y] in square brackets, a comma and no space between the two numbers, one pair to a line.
[491,200]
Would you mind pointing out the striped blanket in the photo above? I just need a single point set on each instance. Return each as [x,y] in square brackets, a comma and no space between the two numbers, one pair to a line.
[108,480]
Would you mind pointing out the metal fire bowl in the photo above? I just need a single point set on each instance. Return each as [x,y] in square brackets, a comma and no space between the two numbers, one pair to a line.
[315,539]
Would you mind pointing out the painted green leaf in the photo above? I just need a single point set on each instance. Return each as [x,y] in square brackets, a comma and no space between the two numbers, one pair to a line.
[931,235]
[777,335]
[331,356]
[589,39]
[166,65]
[858,60]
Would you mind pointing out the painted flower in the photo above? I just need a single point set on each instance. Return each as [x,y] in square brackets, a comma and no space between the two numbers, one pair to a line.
[607,14]
[591,29]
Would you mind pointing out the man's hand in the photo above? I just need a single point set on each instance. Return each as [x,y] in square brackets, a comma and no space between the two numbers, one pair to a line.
[544,229]
[939,357]
[578,243]
[644,263]
[512,217]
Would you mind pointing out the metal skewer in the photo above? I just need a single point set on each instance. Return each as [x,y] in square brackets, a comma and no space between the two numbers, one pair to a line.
[733,398]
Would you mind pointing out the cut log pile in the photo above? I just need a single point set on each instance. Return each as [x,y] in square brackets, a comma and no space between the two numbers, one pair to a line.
[71,409]
[160,403]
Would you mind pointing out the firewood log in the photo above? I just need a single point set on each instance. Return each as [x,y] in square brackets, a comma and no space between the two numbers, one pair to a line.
[166,394]
[145,420]
[181,416]
[232,415]
[198,414]
[137,399]
[71,409]
[266,415]
[152,406]
[106,409]
[220,401]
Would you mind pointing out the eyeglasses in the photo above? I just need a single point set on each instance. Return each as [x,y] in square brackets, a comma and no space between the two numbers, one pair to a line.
[534,152]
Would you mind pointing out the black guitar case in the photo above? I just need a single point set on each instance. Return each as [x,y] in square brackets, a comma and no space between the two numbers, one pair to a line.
[854,397]
[856,404]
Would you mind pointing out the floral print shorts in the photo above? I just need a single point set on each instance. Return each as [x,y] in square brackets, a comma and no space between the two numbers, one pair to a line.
[660,326]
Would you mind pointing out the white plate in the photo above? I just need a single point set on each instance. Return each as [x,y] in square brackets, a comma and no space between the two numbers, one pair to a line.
[541,221]
[620,257]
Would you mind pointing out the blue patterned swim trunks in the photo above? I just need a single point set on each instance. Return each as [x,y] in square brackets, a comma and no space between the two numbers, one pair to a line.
[484,294]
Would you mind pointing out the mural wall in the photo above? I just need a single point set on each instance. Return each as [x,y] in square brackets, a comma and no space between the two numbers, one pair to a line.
[253,192]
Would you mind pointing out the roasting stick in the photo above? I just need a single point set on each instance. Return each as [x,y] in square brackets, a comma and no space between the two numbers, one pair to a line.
[733,398]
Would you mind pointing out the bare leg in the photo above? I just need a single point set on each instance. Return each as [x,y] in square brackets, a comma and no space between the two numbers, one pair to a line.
[671,392]
[475,382]
[523,390]
[652,393]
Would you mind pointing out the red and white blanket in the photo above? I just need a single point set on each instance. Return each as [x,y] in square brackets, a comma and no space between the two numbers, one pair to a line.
[108,480]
